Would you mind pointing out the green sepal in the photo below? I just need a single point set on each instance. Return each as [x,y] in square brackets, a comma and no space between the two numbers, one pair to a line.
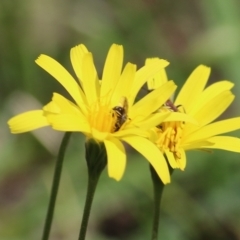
[96,157]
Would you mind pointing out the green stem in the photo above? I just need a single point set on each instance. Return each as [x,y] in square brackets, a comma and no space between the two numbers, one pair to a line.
[92,184]
[96,158]
[158,187]
[55,185]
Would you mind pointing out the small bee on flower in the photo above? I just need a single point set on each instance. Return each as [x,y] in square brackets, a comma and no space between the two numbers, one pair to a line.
[120,112]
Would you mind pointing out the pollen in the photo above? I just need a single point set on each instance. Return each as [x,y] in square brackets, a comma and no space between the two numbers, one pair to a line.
[170,135]
[101,117]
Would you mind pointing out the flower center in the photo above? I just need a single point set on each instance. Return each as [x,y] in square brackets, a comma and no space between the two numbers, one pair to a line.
[170,133]
[107,119]
[101,118]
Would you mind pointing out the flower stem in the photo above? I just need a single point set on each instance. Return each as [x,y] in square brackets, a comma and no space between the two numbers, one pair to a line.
[55,185]
[96,157]
[158,187]
[92,184]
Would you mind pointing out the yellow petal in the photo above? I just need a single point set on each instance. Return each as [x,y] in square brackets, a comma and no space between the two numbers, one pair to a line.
[52,107]
[27,121]
[144,74]
[215,128]
[183,160]
[60,104]
[98,135]
[182,117]
[152,101]
[226,143]
[116,158]
[90,81]
[124,85]
[211,92]
[152,121]
[63,77]
[112,69]
[153,135]
[63,115]
[76,56]
[171,159]
[152,154]
[159,79]
[68,123]
[213,108]
[218,87]
[177,163]
[196,145]
[131,131]
[193,87]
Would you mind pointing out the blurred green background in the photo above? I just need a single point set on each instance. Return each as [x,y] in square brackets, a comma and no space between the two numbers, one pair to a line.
[203,202]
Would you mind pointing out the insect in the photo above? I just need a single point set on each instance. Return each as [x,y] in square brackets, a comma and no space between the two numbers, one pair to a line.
[121,113]
[171,106]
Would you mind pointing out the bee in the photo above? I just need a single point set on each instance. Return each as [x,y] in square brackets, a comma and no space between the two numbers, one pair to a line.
[121,113]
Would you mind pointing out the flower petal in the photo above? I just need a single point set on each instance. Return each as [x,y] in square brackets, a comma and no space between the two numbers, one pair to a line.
[60,104]
[131,131]
[63,77]
[178,116]
[208,113]
[152,121]
[116,158]
[193,87]
[112,69]
[171,159]
[99,135]
[27,121]
[215,128]
[183,160]
[63,115]
[218,87]
[124,84]
[159,79]
[90,81]
[196,145]
[76,56]
[176,162]
[68,123]
[152,154]
[226,143]
[152,101]
[143,75]
[211,92]
[214,108]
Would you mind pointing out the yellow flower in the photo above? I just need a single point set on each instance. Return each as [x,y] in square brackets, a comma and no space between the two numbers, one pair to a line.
[203,104]
[105,109]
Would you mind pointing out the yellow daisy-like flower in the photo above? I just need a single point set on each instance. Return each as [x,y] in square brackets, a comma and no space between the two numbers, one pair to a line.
[203,104]
[104,109]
